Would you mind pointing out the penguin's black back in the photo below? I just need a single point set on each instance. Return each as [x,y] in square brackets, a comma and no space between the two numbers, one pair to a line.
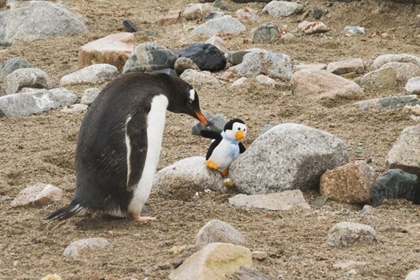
[101,163]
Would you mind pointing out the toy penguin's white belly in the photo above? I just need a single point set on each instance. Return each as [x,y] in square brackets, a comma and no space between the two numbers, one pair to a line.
[220,155]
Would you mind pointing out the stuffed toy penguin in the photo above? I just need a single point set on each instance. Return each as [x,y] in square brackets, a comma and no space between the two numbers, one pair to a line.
[226,146]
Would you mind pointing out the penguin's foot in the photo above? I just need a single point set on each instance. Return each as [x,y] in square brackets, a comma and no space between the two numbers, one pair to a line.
[225,172]
[211,165]
[141,218]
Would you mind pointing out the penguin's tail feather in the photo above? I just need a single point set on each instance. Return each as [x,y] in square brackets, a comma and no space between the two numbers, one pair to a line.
[66,212]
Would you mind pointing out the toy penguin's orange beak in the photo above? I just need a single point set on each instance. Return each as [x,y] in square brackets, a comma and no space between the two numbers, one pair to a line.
[240,135]
[201,118]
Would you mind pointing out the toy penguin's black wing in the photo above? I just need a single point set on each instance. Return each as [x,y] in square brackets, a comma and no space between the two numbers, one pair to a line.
[241,148]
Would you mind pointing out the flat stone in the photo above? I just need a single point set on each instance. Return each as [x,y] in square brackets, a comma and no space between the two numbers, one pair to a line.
[346,66]
[38,195]
[205,264]
[83,247]
[284,200]
[315,66]
[184,63]
[392,102]
[225,24]
[218,231]
[355,30]
[114,49]
[94,74]
[346,233]
[383,78]
[75,108]
[350,183]
[239,82]
[320,84]
[262,79]
[26,104]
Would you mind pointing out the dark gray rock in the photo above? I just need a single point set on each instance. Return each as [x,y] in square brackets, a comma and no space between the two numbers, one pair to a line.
[11,65]
[317,13]
[216,123]
[147,57]
[206,56]
[129,26]
[395,184]
[266,33]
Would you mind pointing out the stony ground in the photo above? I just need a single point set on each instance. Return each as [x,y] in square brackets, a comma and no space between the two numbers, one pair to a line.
[41,149]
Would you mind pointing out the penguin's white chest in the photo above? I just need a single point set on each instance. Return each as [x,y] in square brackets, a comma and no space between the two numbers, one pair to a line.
[221,155]
[155,127]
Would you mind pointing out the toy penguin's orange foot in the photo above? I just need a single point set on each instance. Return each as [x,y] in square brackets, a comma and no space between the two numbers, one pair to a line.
[140,218]
[225,172]
[211,165]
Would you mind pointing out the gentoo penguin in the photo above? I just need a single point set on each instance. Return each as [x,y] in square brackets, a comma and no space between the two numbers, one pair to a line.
[120,141]
[226,145]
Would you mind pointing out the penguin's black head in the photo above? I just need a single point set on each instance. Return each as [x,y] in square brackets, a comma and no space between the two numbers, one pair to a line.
[235,129]
[184,99]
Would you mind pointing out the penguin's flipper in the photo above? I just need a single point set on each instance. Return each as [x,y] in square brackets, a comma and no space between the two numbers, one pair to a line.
[211,134]
[136,142]
[66,212]
[241,148]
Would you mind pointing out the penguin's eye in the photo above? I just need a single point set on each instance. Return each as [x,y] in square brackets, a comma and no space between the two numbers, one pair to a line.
[239,128]
[189,102]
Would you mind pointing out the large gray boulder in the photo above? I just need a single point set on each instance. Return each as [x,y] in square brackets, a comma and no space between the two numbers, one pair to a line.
[288,156]
[25,104]
[34,20]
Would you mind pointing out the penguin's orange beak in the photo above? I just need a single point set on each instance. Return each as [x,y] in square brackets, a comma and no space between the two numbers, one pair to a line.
[201,118]
[240,135]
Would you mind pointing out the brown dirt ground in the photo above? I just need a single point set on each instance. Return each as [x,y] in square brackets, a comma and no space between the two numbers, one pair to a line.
[41,149]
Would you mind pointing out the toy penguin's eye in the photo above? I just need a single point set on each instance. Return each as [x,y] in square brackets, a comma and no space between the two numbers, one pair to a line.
[244,129]
[189,102]
[239,128]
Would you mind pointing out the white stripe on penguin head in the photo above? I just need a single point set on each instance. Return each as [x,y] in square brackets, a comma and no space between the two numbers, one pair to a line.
[192,94]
